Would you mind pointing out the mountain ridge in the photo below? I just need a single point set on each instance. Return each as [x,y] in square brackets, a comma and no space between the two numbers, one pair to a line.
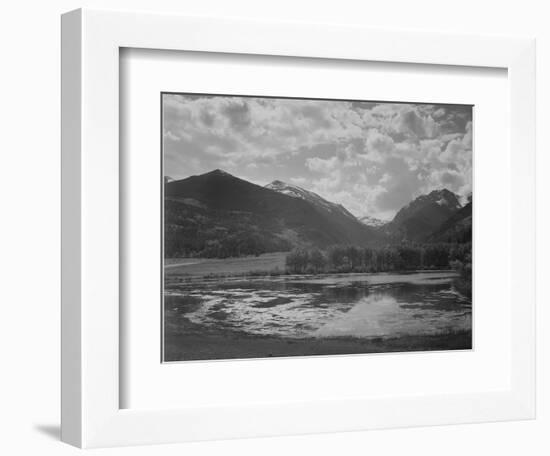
[417,220]
[218,214]
[298,192]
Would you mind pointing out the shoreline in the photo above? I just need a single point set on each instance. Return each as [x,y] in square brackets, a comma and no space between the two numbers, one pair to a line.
[219,347]
[181,278]
[266,265]
[186,341]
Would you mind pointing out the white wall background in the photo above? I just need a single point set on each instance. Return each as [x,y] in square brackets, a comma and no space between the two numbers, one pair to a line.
[29,223]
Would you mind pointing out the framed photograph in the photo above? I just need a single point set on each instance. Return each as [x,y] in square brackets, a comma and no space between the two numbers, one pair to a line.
[271,229]
[363,249]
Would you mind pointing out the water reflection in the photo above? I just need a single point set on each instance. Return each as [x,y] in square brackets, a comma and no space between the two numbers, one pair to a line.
[361,305]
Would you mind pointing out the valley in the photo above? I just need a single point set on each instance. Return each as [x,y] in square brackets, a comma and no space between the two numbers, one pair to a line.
[267,271]
[217,215]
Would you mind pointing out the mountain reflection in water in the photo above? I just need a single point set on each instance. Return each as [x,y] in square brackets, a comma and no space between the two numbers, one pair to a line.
[357,305]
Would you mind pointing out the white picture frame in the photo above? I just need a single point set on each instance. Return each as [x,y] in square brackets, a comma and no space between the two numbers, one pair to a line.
[91,412]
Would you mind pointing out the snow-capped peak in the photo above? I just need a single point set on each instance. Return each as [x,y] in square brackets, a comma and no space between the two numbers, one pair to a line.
[372,221]
[287,189]
[299,192]
[445,197]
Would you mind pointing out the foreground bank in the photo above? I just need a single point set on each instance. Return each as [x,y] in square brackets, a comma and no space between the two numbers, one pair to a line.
[187,342]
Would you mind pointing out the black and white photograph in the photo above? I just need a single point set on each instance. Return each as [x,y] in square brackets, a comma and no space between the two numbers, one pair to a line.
[299,227]
[264,228]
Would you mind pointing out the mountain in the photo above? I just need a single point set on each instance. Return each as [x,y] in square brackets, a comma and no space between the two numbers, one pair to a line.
[372,221]
[311,197]
[457,228]
[422,216]
[219,215]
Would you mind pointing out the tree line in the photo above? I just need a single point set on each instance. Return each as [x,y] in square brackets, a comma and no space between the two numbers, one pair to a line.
[349,258]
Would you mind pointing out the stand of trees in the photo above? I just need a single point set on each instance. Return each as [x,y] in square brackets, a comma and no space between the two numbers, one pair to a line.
[464,267]
[342,258]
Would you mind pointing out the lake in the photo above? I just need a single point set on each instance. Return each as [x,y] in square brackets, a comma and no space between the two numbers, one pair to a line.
[347,306]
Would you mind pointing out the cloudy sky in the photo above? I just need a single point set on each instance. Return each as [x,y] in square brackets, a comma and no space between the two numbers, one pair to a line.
[371,157]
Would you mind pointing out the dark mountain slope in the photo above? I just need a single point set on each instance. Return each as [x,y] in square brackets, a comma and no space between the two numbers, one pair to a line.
[420,218]
[457,228]
[217,214]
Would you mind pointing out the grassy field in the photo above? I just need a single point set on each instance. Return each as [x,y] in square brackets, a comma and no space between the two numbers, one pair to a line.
[197,267]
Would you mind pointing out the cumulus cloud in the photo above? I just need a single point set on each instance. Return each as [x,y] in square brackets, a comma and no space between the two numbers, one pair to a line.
[378,146]
[322,165]
[415,125]
[371,157]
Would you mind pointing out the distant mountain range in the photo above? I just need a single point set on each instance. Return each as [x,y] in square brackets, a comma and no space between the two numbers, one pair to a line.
[219,215]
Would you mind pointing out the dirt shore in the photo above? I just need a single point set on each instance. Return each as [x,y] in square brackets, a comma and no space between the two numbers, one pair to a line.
[188,342]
